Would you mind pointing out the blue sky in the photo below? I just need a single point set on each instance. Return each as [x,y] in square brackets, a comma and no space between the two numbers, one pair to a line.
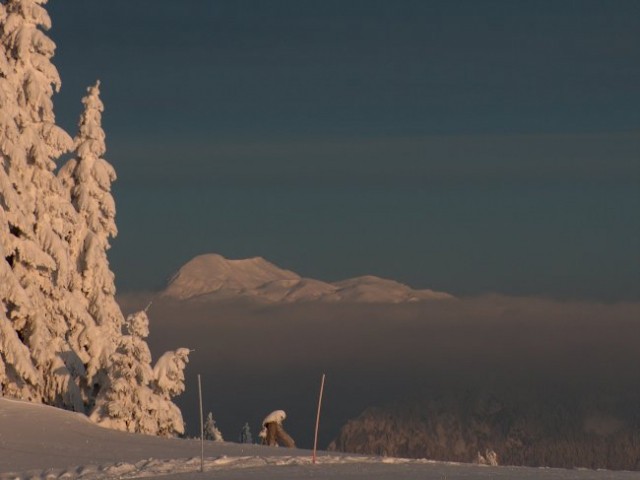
[469,146]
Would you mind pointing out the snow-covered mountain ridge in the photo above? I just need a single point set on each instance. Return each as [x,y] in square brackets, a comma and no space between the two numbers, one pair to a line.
[212,277]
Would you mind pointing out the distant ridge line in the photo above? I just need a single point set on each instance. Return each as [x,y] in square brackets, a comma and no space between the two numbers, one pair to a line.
[212,277]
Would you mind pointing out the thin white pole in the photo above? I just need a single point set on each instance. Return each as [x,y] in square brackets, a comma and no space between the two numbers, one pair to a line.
[201,426]
[315,439]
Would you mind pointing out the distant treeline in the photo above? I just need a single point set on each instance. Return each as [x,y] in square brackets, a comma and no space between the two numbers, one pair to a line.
[557,431]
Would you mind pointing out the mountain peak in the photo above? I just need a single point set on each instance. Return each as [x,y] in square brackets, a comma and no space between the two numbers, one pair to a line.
[215,277]
[210,273]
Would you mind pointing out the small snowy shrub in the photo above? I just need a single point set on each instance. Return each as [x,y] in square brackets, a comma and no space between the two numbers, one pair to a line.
[211,432]
[245,434]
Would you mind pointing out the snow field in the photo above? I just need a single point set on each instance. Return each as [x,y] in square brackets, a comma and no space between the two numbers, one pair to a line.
[42,442]
[297,467]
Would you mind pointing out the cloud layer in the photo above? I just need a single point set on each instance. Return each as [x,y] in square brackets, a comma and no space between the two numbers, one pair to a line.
[254,359]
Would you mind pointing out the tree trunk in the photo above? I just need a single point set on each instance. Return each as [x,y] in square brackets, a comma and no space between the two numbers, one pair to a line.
[283,438]
[277,436]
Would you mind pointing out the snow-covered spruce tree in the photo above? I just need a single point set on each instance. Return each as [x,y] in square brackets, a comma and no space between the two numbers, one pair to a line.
[58,314]
[88,178]
[211,431]
[37,216]
[130,400]
[18,375]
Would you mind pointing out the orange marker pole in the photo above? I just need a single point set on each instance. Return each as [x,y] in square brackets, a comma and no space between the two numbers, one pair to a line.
[315,440]
[201,426]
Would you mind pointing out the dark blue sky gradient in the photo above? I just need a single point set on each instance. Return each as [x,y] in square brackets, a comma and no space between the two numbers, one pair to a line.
[469,146]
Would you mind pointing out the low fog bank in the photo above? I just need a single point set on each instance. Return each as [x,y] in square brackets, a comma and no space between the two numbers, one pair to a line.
[257,358]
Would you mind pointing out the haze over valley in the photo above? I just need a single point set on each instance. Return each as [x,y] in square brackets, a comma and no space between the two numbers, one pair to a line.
[258,349]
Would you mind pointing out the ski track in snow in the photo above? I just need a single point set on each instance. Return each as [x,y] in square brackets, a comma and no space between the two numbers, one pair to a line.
[251,467]
[155,467]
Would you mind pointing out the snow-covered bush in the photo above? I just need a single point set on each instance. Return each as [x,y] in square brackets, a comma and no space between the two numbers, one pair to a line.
[129,402]
[168,373]
[211,431]
[245,434]
[489,458]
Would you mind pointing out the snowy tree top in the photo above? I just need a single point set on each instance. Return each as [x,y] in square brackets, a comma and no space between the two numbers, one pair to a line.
[277,416]
[137,324]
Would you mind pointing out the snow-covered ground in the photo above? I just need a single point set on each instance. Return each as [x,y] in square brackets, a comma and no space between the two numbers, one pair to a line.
[38,441]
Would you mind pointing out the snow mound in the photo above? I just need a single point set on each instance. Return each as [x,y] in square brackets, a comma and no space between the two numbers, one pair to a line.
[212,277]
